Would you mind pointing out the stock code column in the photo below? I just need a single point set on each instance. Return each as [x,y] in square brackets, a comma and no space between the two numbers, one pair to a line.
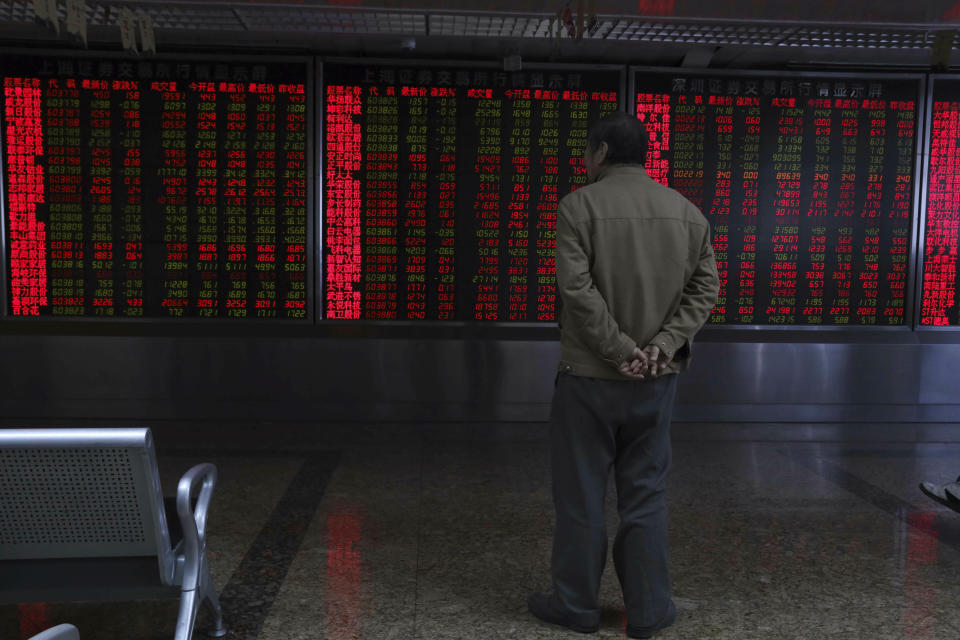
[940,256]
[155,188]
[807,183]
[441,187]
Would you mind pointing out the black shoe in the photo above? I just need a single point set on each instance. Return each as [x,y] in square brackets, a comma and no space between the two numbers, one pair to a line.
[542,606]
[939,493]
[647,632]
[952,491]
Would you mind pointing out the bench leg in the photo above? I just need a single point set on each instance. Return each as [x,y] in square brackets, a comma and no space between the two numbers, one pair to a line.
[208,597]
[188,615]
[190,602]
[213,605]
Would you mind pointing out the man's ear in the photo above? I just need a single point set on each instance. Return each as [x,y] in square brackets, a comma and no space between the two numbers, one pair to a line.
[604,148]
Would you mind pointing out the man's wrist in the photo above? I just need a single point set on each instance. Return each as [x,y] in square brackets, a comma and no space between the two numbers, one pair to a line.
[622,352]
[666,343]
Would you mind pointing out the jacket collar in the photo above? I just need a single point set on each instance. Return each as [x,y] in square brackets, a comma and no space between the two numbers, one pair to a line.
[634,170]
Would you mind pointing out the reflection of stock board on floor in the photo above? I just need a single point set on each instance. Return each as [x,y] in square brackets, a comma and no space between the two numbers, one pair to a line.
[808,184]
[160,188]
[441,187]
[940,306]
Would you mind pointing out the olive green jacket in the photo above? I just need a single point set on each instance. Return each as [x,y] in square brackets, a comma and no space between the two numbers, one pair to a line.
[634,268]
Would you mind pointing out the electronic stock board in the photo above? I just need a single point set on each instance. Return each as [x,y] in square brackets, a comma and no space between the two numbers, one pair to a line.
[939,306]
[159,188]
[441,185]
[808,181]
[172,188]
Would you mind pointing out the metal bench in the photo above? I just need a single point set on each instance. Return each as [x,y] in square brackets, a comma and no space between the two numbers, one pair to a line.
[82,518]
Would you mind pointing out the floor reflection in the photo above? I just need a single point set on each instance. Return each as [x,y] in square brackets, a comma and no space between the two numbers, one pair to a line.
[345,611]
[33,619]
[920,595]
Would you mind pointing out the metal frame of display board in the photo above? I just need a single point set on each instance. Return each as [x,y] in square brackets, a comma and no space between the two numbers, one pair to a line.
[4,292]
[460,64]
[316,185]
[910,299]
[312,205]
[924,193]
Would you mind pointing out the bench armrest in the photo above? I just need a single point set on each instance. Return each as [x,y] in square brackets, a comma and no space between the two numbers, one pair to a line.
[194,520]
[60,632]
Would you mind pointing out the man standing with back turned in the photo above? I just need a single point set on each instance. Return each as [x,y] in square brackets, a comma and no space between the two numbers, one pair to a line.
[637,279]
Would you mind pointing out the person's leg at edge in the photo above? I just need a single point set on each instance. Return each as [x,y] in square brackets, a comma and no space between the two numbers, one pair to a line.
[640,551]
[582,452]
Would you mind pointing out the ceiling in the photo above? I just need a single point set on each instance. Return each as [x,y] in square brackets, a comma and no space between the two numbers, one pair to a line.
[471,33]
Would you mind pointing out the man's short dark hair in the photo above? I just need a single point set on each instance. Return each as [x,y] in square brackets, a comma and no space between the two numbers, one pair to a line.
[626,137]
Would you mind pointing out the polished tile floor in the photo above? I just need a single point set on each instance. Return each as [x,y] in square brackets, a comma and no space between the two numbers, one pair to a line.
[387,532]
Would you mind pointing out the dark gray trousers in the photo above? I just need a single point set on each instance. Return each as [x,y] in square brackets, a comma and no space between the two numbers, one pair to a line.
[595,425]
